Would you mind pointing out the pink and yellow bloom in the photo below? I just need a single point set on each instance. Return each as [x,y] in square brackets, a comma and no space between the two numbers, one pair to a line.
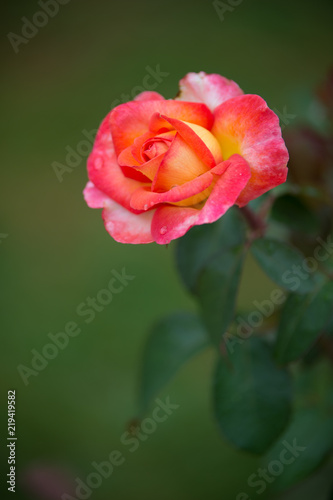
[159,167]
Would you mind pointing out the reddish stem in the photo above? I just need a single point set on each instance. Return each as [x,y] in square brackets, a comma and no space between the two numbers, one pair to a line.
[255,222]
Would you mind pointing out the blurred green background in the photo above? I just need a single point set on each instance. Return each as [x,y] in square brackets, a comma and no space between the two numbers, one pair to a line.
[57,252]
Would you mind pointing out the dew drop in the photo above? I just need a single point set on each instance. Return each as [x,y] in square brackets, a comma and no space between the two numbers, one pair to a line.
[145,207]
[163,229]
[98,163]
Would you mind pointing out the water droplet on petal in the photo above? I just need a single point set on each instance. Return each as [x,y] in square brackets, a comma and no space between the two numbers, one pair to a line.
[98,163]
[163,229]
[145,207]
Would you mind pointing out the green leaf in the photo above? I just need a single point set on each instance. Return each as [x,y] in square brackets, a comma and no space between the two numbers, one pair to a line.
[284,265]
[313,385]
[251,397]
[294,213]
[202,243]
[172,341]
[217,288]
[308,441]
[303,319]
[329,328]
[315,193]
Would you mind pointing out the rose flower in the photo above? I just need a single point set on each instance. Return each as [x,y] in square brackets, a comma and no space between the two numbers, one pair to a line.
[159,167]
